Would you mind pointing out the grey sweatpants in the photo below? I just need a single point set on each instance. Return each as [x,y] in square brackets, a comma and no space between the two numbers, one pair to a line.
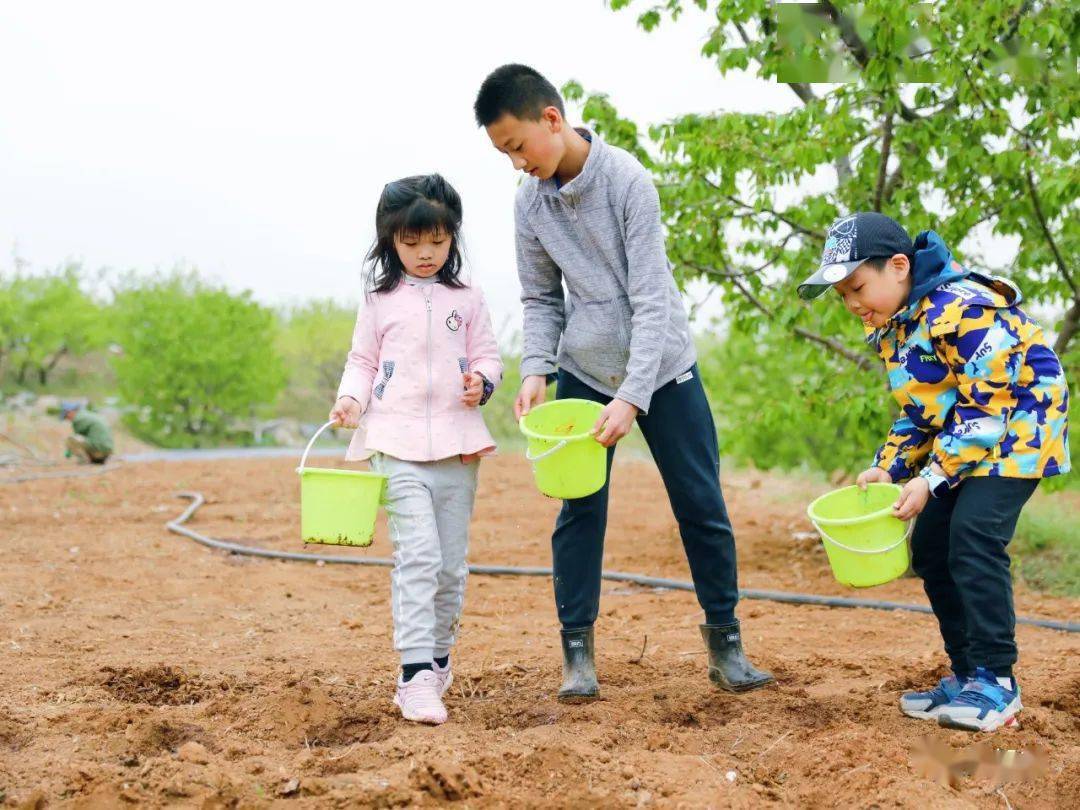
[429,505]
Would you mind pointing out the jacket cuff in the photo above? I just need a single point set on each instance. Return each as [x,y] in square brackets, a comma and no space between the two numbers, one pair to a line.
[954,478]
[535,367]
[489,388]
[896,467]
[352,394]
[640,402]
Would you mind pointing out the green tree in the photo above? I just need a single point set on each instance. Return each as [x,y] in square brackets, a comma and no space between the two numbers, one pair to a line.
[991,147]
[196,358]
[7,324]
[44,318]
[313,343]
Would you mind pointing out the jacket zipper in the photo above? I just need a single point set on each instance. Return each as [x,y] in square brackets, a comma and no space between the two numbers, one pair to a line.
[427,304]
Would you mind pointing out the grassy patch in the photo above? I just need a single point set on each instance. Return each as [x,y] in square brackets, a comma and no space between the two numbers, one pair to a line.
[1046,548]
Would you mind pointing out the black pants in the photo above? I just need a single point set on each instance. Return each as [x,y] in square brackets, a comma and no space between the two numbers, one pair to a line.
[958,548]
[681,435]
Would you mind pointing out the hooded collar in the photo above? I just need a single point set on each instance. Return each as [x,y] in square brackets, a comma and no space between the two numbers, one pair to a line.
[933,267]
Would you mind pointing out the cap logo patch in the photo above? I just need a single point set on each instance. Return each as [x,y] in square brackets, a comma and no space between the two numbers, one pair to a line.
[834,273]
[840,241]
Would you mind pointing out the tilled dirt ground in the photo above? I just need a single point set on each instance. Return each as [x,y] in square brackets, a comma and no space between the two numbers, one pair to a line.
[138,668]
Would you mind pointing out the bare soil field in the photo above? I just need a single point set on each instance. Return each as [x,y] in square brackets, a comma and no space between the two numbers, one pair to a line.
[140,669]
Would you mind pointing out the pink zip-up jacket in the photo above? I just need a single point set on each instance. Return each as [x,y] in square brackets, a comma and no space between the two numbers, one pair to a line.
[410,348]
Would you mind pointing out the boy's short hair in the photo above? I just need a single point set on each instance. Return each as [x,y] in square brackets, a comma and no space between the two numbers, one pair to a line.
[879,262]
[518,90]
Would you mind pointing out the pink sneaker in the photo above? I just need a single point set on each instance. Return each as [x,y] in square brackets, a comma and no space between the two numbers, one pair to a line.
[445,676]
[420,699]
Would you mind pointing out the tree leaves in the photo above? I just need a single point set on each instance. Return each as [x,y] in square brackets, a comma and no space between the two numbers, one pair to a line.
[195,358]
[747,197]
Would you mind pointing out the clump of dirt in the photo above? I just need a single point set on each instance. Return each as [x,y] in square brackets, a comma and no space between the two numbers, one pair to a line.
[447,781]
[1066,698]
[500,715]
[160,685]
[13,734]
[149,737]
[352,729]
[921,678]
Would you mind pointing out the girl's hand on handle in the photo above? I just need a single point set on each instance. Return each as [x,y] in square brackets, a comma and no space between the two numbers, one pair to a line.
[474,389]
[533,392]
[346,413]
[875,475]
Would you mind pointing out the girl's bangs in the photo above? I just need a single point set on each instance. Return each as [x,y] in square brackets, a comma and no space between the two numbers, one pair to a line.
[425,216]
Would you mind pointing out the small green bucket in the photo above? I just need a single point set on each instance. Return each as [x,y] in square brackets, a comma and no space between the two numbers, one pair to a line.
[567,460]
[865,544]
[338,507]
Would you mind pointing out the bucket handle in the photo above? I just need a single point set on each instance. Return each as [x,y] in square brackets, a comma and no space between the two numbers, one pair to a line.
[825,536]
[303,459]
[546,453]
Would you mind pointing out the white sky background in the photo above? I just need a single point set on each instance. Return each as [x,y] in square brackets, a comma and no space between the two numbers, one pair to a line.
[251,140]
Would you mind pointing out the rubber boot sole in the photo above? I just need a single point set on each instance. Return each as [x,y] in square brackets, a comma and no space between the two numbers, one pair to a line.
[739,689]
[572,698]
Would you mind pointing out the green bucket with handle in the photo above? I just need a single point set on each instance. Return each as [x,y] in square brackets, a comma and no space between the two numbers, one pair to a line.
[338,507]
[865,543]
[568,462]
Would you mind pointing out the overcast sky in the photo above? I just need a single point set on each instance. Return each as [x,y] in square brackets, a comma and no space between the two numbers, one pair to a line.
[251,140]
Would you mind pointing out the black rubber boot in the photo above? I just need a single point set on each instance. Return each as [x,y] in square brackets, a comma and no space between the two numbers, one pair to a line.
[728,667]
[579,672]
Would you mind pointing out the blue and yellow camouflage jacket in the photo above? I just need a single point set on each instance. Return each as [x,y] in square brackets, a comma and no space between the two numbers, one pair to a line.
[981,392]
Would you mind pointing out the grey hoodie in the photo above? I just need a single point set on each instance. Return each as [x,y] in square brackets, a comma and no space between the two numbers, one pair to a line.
[620,327]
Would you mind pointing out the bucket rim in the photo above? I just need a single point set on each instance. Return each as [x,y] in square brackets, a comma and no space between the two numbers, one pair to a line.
[331,471]
[824,521]
[573,437]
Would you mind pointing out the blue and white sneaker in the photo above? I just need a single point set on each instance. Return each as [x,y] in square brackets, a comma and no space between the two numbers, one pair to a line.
[985,703]
[925,705]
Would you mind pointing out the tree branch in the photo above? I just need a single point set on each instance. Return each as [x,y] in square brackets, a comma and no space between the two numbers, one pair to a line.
[729,272]
[801,89]
[886,149]
[806,96]
[892,183]
[860,360]
[782,217]
[1069,327]
[858,48]
[1049,236]
[1014,23]
[709,270]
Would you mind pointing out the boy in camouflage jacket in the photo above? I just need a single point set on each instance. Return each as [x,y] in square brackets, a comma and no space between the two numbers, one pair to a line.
[984,417]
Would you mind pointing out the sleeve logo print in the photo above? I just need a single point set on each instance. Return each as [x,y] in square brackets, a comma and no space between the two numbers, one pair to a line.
[388,372]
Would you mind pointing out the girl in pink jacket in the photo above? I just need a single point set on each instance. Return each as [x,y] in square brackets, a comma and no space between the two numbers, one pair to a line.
[423,359]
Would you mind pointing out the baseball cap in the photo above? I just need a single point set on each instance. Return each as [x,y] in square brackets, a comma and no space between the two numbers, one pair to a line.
[69,405]
[849,242]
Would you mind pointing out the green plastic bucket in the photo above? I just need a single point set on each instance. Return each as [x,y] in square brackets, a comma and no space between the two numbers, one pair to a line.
[567,460]
[338,507]
[865,544]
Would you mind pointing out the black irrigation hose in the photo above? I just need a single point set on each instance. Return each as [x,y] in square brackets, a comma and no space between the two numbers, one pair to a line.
[197,500]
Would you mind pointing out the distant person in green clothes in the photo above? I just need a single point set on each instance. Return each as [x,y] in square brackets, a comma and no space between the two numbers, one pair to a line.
[91,441]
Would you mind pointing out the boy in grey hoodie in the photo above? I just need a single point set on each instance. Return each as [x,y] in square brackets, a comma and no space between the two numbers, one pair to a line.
[588,216]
